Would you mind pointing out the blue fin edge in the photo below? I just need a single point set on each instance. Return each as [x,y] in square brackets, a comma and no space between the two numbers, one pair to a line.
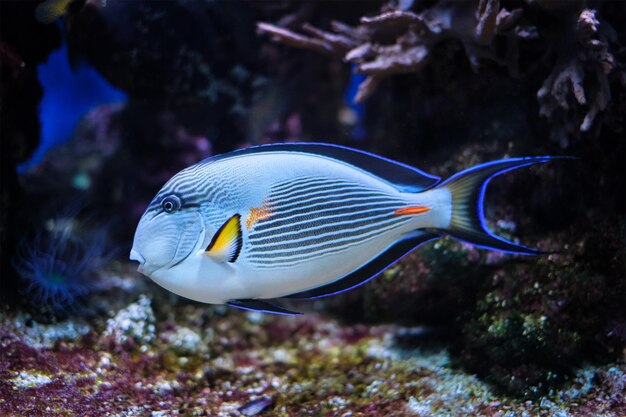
[521,163]
[261,306]
[429,181]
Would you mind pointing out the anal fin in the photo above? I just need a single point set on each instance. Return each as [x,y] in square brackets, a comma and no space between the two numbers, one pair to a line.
[262,306]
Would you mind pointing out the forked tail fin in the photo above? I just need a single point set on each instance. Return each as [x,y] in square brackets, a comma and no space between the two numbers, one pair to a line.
[468,192]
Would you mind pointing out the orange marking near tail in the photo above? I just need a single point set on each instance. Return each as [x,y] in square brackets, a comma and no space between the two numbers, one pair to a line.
[412,210]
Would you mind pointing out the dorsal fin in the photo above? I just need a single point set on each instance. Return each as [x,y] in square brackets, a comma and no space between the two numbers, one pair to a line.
[402,176]
[227,241]
[370,270]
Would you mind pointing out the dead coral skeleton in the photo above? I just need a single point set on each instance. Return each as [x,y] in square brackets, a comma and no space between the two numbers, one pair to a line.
[398,41]
[578,88]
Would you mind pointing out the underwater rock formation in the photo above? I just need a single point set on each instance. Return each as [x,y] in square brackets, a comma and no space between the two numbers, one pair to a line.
[582,49]
[578,90]
[535,323]
[207,57]
[400,41]
[208,65]
[257,365]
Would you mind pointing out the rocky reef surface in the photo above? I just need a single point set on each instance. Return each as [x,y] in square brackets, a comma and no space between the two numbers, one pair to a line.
[156,357]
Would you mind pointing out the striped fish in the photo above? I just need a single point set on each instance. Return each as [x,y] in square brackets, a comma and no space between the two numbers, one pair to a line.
[303,221]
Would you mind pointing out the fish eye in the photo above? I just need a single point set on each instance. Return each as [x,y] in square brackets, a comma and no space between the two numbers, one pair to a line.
[170,204]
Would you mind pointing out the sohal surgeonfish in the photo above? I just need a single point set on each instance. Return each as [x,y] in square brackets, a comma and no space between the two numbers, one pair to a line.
[303,220]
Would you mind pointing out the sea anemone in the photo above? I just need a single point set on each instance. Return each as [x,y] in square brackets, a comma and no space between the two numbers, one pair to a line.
[58,266]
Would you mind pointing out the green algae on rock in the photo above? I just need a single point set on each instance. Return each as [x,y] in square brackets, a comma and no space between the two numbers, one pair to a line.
[536,323]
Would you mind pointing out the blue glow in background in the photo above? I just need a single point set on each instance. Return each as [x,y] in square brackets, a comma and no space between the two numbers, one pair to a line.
[359,132]
[68,95]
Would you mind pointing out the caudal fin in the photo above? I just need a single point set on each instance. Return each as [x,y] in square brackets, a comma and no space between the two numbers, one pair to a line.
[468,192]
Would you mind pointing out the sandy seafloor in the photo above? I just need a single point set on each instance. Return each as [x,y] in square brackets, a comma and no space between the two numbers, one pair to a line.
[150,358]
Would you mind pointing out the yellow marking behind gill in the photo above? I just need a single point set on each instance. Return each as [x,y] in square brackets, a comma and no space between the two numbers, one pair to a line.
[226,243]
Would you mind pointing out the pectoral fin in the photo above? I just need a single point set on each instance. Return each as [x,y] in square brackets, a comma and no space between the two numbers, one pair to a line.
[227,241]
[262,306]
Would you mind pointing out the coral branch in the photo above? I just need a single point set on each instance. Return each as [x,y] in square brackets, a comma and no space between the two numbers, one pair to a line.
[577,90]
[487,14]
[367,88]
[398,41]
[507,20]
[287,37]
[394,18]
[337,42]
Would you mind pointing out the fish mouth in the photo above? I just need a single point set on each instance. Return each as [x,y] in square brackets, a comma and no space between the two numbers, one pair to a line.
[136,256]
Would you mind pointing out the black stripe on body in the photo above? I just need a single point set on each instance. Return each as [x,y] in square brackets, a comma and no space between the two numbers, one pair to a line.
[322,211]
[294,213]
[317,216]
[338,238]
[325,198]
[329,249]
[325,195]
[285,187]
[350,223]
[318,190]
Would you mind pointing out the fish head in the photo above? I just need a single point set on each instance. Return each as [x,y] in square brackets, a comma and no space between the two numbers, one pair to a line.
[167,234]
